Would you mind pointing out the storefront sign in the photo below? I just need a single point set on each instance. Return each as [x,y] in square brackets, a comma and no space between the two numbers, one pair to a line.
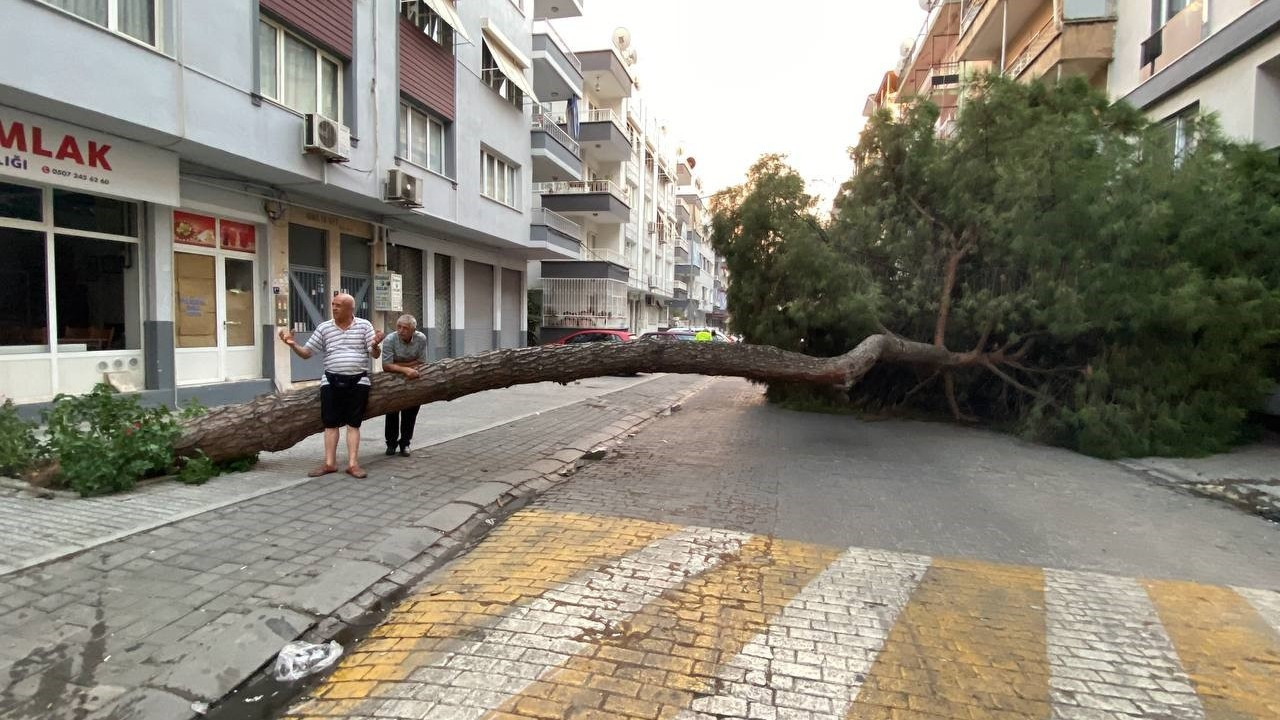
[42,150]
[388,291]
[192,229]
[238,236]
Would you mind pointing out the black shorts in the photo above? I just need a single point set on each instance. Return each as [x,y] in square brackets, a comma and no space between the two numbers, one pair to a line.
[343,406]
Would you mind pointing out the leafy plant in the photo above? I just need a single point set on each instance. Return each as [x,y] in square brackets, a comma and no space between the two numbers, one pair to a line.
[199,469]
[18,448]
[106,441]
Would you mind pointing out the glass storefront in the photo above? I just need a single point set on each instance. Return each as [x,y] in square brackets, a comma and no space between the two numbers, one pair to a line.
[70,291]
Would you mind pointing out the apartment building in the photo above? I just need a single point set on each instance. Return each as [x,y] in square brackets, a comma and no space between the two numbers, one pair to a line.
[619,203]
[180,179]
[1178,58]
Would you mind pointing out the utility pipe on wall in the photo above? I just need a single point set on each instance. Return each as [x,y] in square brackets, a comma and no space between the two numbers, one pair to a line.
[1004,34]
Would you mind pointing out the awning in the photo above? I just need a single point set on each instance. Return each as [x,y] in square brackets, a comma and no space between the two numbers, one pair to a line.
[511,62]
[446,11]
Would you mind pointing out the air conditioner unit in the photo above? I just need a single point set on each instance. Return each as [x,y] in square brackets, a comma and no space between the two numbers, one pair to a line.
[329,138]
[653,227]
[403,189]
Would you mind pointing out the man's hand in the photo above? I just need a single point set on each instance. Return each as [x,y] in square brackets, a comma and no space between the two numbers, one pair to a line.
[287,336]
[378,337]
[412,373]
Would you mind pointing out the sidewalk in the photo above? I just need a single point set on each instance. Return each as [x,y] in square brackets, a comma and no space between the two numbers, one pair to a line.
[1247,477]
[146,625]
[35,530]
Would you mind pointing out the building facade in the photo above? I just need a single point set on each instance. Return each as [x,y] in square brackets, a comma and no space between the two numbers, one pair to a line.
[182,179]
[625,203]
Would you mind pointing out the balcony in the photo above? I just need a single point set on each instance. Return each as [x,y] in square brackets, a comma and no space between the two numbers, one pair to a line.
[688,270]
[557,73]
[680,286]
[557,8]
[555,233]
[605,71]
[574,298]
[556,156]
[1183,32]
[604,136]
[602,201]
[604,254]
[1036,42]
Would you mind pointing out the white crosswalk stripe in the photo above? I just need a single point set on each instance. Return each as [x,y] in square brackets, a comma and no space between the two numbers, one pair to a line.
[1108,652]
[532,641]
[1266,602]
[815,654]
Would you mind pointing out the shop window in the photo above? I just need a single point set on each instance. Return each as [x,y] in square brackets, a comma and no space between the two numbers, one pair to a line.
[78,211]
[23,314]
[297,74]
[21,202]
[96,285]
[135,18]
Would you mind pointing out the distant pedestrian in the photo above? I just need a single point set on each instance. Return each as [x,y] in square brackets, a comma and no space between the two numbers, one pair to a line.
[347,343]
[703,335]
[403,351]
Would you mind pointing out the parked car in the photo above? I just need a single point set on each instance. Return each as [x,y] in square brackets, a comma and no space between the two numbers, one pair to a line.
[589,336]
[669,336]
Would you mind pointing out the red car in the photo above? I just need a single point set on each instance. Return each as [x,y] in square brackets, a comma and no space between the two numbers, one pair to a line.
[588,336]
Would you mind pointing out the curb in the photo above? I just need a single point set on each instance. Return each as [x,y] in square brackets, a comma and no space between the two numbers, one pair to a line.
[457,526]
[1244,495]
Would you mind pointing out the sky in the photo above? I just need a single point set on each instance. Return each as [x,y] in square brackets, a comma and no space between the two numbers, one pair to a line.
[734,79]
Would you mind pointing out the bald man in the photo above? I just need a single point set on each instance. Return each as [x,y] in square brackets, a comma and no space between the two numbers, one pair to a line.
[347,343]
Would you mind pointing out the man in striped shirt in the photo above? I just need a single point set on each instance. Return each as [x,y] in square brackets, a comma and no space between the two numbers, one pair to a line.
[347,343]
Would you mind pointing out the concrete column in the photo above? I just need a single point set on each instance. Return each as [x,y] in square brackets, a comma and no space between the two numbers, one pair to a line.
[429,300]
[524,309]
[277,273]
[459,303]
[497,305]
[156,254]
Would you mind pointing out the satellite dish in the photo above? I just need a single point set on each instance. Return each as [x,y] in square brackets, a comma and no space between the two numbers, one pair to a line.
[927,5]
[632,57]
[622,38]
[905,48]
[635,80]
[691,162]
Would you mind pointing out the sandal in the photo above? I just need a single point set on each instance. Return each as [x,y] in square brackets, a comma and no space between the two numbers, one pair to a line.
[357,472]
[322,470]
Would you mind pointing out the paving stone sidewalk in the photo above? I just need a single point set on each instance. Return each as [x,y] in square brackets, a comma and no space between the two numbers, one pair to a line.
[145,626]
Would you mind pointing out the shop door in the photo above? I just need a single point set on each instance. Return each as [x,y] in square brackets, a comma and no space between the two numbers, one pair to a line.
[216,328]
[408,262]
[444,307]
[308,296]
[478,307]
[356,276]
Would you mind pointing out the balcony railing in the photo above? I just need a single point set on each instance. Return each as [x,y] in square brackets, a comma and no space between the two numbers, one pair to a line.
[582,187]
[605,255]
[546,122]
[944,76]
[544,26]
[1076,10]
[1041,40]
[557,222]
[971,12]
[584,303]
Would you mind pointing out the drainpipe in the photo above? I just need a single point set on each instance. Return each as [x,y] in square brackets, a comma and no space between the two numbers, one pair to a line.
[1004,34]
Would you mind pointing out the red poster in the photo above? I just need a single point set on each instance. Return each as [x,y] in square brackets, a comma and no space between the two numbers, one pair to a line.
[239,236]
[192,229]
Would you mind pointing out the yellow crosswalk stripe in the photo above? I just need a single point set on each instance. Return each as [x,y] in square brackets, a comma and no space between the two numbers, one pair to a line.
[972,638]
[1230,652]
[673,647]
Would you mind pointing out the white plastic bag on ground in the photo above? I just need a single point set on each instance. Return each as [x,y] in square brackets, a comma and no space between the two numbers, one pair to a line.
[300,659]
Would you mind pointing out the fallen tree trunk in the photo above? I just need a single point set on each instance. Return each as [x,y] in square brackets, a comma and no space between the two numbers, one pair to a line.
[279,421]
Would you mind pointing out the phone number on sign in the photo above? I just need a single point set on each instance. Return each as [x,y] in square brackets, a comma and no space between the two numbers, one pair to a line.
[75,175]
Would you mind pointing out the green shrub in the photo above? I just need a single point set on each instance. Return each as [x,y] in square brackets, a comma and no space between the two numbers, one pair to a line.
[105,441]
[18,448]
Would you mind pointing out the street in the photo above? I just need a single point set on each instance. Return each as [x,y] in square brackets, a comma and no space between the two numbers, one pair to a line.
[738,560]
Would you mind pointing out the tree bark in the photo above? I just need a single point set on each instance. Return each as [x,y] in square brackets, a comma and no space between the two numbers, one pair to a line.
[279,421]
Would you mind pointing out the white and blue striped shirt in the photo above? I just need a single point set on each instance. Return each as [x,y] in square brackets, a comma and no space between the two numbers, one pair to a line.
[346,352]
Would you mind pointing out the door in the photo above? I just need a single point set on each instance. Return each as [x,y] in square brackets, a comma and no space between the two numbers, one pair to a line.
[408,262]
[478,307]
[308,295]
[215,331]
[356,275]
[444,308]
[513,302]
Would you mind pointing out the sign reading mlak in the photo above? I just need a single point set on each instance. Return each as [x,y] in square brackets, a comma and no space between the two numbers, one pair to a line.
[69,147]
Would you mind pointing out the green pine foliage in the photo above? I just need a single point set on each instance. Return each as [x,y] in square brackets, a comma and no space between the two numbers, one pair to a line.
[1135,295]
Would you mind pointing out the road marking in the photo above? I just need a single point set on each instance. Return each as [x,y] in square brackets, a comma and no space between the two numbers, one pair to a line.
[813,655]
[972,636]
[1266,602]
[1108,652]
[1230,652]
[484,668]
[673,647]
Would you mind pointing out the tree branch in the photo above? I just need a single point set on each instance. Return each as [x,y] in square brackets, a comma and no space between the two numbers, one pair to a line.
[1009,379]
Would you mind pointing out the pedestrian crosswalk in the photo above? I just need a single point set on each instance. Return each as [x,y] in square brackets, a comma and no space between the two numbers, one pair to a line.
[561,615]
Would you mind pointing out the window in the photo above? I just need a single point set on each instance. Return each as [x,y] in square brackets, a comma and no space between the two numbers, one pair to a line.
[1181,129]
[135,18]
[1163,10]
[493,76]
[421,139]
[95,297]
[500,180]
[296,74]
[429,22]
